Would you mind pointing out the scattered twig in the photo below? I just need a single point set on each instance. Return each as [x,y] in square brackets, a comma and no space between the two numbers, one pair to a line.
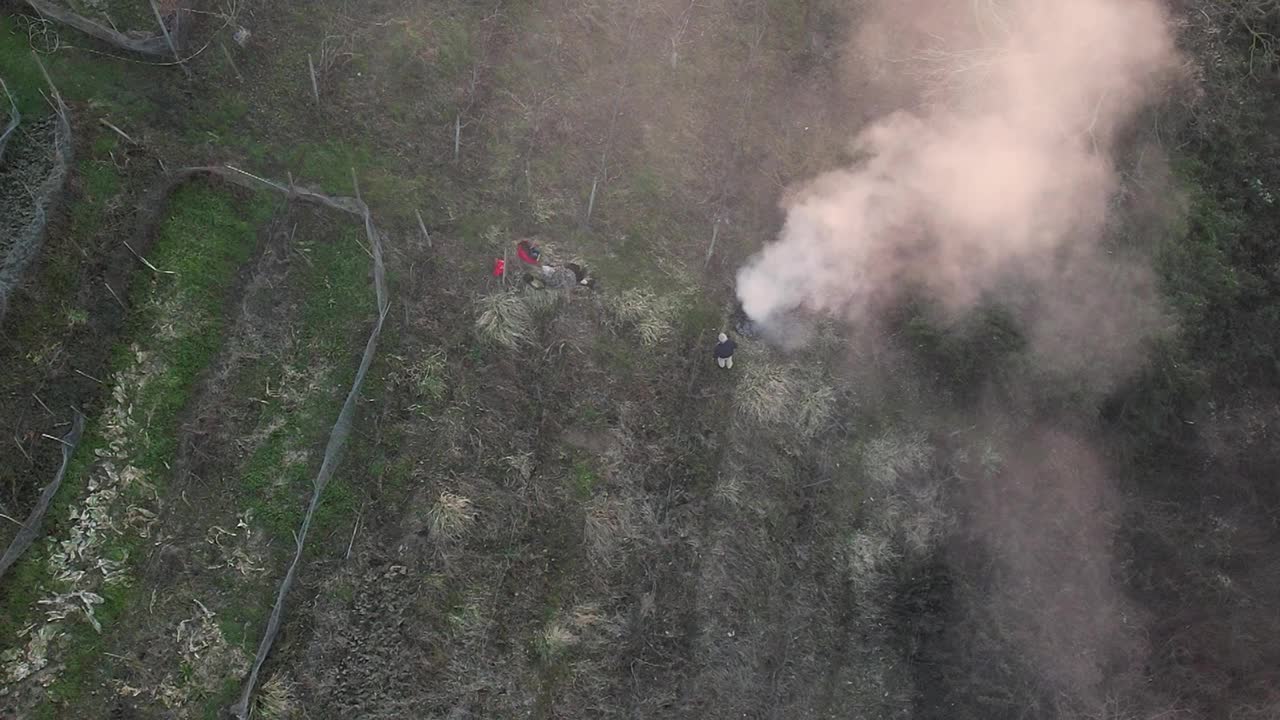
[15,522]
[591,201]
[145,262]
[715,235]
[362,247]
[14,118]
[23,450]
[47,436]
[61,106]
[46,407]
[114,295]
[423,226]
[264,181]
[457,136]
[354,529]
[85,374]
[118,131]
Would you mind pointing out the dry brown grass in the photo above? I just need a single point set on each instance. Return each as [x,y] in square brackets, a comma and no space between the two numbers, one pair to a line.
[613,523]
[510,319]
[775,395]
[651,315]
[450,516]
[276,700]
[886,459]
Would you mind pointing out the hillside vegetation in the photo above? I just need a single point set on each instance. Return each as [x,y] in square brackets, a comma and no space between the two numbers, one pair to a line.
[553,504]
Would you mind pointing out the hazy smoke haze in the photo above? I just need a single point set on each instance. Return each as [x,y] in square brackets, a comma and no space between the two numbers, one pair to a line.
[1003,169]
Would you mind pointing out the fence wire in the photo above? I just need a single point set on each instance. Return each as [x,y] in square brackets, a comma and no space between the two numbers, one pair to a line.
[31,528]
[154,45]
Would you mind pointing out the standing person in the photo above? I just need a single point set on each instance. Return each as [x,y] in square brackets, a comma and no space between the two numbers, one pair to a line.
[724,351]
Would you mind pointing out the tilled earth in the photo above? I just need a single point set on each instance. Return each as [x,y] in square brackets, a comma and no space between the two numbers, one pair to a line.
[29,159]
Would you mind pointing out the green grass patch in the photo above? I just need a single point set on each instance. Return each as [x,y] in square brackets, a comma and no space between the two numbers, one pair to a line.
[337,307]
[583,479]
[79,75]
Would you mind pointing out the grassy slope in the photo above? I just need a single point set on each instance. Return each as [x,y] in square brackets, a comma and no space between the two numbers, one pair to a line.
[421,66]
[203,243]
[191,303]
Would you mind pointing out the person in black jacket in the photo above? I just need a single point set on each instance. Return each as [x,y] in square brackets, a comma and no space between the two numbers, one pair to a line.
[724,351]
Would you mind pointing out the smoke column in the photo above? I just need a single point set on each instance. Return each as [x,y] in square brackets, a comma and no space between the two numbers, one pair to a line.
[1005,169]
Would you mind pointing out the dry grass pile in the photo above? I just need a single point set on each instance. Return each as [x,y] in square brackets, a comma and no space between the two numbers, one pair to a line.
[276,700]
[785,396]
[207,660]
[450,516]
[510,319]
[650,315]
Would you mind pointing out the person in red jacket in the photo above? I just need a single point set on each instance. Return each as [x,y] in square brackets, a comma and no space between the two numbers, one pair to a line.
[528,252]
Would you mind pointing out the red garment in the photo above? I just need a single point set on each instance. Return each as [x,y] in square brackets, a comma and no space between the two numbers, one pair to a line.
[526,252]
[499,267]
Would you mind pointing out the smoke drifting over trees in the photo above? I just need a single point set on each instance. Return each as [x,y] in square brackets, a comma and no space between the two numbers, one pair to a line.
[997,185]
[1004,172]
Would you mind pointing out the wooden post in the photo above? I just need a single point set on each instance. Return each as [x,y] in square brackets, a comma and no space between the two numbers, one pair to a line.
[591,201]
[715,234]
[231,61]
[315,86]
[164,29]
[457,136]
[422,226]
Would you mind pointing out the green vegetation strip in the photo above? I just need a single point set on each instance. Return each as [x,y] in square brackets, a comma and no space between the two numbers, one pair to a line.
[342,427]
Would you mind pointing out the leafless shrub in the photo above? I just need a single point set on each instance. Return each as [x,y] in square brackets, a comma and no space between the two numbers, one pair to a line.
[276,700]
[1260,20]
[554,641]
[335,51]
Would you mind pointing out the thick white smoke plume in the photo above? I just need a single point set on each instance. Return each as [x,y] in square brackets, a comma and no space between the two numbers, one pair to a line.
[1005,171]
